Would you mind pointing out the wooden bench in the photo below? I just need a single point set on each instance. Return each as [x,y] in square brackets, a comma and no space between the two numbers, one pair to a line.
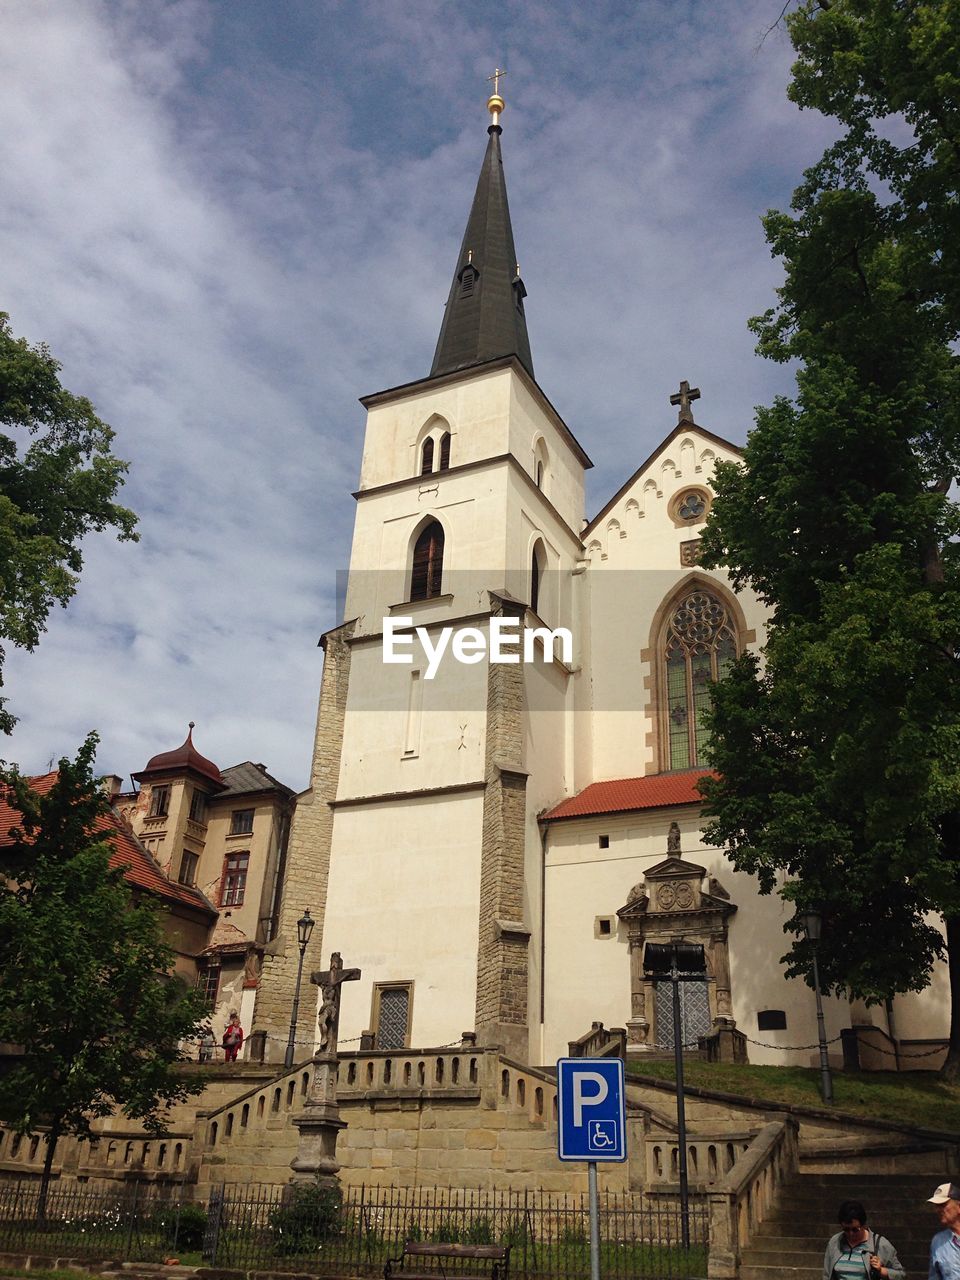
[488,1260]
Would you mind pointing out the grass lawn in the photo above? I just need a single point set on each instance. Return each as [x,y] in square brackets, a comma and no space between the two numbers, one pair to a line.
[908,1097]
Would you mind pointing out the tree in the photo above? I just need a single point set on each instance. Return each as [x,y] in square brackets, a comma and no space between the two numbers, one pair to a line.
[58,480]
[89,993]
[839,755]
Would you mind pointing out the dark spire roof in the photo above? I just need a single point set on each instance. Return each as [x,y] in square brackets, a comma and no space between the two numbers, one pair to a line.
[184,759]
[484,317]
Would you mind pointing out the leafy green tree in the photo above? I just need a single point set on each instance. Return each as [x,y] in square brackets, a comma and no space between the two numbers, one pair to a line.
[58,480]
[89,992]
[839,755]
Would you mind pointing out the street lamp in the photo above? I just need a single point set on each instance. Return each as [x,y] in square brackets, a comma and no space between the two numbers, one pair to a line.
[304,929]
[677,962]
[812,921]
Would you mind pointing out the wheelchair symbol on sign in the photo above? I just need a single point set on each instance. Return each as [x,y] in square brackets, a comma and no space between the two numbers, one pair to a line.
[601,1134]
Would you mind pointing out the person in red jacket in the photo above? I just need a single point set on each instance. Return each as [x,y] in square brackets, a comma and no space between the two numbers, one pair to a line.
[232,1038]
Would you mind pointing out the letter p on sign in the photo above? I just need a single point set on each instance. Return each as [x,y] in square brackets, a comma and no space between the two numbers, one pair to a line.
[582,1098]
[590,1109]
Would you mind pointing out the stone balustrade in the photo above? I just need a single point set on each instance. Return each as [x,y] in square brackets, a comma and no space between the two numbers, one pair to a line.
[116,1154]
[599,1042]
[709,1158]
[741,1201]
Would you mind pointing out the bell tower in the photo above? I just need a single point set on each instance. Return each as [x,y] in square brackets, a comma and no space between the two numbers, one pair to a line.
[417,845]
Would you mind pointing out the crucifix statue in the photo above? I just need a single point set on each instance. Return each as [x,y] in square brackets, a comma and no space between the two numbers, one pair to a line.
[319,1123]
[330,982]
[683,398]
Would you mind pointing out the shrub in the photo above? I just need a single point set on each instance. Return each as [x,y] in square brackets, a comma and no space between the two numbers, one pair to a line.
[515,1232]
[445,1232]
[310,1216]
[181,1227]
[479,1232]
[191,1228]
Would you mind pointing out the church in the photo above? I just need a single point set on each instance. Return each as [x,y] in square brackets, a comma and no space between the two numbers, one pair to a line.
[493,844]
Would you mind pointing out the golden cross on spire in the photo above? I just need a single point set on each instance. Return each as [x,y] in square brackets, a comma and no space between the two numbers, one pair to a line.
[496,79]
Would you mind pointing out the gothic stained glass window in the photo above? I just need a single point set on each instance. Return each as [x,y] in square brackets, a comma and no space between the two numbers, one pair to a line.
[427,563]
[700,645]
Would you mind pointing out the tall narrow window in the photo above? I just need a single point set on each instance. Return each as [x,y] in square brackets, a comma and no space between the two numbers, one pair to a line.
[234,879]
[538,564]
[427,563]
[700,645]
[159,802]
[540,462]
[198,806]
[426,457]
[392,1015]
[208,982]
[411,739]
[188,868]
[444,451]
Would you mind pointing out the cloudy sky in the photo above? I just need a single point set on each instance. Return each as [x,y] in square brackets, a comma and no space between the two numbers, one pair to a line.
[231,218]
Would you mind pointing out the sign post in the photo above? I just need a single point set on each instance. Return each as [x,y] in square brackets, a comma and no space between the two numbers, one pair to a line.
[677,962]
[591,1125]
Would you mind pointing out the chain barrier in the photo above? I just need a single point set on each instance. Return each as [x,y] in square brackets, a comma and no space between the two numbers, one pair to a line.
[903,1054]
[311,1044]
[789,1048]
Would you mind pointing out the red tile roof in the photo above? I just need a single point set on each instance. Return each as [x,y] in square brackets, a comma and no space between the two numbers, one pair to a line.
[623,795]
[141,871]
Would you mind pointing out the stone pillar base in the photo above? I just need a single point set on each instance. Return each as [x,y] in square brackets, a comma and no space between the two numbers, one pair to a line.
[317,1156]
[512,1038]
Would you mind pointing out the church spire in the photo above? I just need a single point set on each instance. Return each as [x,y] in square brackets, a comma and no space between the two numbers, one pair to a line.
[484,317]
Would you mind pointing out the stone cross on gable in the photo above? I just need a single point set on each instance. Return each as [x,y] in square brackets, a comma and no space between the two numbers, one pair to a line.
[683,398]
[330,982]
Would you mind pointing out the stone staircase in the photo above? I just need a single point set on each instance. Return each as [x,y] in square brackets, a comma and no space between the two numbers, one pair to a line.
[789,1243]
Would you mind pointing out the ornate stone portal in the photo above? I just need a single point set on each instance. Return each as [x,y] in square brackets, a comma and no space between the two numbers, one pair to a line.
[673,904]
[320,1122]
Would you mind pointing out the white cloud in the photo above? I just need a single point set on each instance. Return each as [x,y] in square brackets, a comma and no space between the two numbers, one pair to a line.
[229,230]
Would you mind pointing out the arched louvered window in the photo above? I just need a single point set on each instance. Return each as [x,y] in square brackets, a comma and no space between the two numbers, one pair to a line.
[699,644]
[426,457]
[444,451]
[427,574]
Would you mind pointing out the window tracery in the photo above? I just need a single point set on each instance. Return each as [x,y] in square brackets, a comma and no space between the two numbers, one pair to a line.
[699,646]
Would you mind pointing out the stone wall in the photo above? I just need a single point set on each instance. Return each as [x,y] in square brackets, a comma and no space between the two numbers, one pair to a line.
[308,867]
[502,968]
[439,1118]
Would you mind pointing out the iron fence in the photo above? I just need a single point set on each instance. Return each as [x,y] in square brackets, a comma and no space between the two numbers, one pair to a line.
[310,1229]
[139,1221]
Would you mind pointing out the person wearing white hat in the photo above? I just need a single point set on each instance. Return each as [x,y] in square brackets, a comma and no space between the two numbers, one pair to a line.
[945,1245]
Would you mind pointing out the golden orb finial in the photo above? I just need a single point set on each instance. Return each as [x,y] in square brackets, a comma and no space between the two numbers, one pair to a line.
[495,102]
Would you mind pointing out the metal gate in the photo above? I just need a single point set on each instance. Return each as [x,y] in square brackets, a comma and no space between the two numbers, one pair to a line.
[695,1019]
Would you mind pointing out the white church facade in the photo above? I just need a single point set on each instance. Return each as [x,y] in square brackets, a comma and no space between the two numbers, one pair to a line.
[493,844]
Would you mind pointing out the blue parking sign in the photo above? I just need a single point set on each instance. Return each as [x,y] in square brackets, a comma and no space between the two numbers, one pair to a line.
[590,1109]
